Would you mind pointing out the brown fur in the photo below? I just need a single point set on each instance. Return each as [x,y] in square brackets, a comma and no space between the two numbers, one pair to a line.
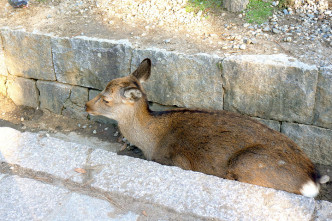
[219,143]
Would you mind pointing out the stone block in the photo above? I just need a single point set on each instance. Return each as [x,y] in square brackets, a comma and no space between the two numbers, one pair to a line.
[82,207]
[22,91]
[275,125]
[235,5]
[274,87]
[3,88]
[323,107]
[53,95]
[182,80]
[27,199]
[90,62]
[315,141]
[3,68]
[323,211]
[194,193]
[28,55]
[43,153]
[101,119]
[75,106]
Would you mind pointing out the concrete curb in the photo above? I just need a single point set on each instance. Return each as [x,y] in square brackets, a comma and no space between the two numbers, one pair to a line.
[169,193]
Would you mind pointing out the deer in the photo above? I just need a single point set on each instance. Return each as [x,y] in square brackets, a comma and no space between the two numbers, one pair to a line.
[215,142]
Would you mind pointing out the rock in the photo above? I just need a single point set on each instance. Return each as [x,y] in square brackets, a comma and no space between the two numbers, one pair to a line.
[235,5]
[276,31]
[53,95]
[275,125]
[107,60]
[182,80]
[285,11]
[243,46]
[323,106]
[3,68]
[28,55]
[323,211]
[3,88]
[22,91]
[282,89]
[315,141]
[266,29]
[75,106]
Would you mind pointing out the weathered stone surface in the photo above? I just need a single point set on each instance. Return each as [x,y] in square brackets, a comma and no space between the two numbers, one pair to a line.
[3,69]
[3,88]
[42,153]
[323,211]
[101,119]
[275,125]
[27,199]
[90,62]
[82,207]
[75,105]
[182,80]
[28,55]
[53,95]
[195,193]
[315,141]
[274,87]
[323,107]
[22,91]
[235,5]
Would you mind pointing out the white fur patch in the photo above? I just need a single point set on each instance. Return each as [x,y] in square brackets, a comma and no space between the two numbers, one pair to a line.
[310,189]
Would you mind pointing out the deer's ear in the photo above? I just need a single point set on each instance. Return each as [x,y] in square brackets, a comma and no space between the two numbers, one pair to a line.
[131,94]
[142,73]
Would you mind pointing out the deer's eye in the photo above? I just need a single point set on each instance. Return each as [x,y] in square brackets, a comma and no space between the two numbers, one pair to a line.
[105,101]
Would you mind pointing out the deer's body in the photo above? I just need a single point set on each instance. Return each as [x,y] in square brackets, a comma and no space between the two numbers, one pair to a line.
[219,143]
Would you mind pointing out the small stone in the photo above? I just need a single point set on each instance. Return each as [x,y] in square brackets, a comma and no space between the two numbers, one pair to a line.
[22,119]
[116,134]
[106,128]
[94,131]
[310,15]
[79,125]
[275,30]
[243,47]
[267,29]
[84,127]
[285,11]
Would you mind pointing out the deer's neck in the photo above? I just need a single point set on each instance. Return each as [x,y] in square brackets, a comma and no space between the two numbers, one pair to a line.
[139,127]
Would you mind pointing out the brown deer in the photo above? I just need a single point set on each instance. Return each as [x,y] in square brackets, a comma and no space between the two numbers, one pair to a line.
[220,143]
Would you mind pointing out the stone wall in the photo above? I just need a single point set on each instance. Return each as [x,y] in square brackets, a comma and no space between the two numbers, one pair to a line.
[61,74]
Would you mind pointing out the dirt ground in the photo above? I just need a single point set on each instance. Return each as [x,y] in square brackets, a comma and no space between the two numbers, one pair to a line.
[29,119]
[166,24]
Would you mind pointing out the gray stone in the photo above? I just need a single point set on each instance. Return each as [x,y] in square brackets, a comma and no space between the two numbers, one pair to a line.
[274,87]
[235,5]
[22,91]
[323,107]
[3,88]
[323,211]
[275,125]
[315,141]
[53,95]
[3,68]
[75,106]
[82,207]
[182,80]
[90,62]
[42,153]
[195,193]
[101,119]
[26,199]
[28,55]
